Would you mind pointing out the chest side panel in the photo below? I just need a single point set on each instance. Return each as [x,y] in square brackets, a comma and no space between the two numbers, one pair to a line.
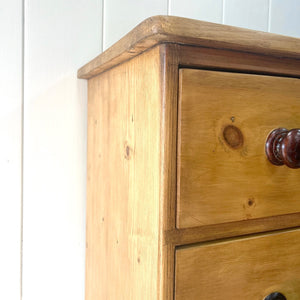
[123,181]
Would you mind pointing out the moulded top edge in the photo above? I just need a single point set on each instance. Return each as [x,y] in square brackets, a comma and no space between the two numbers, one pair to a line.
[168,29]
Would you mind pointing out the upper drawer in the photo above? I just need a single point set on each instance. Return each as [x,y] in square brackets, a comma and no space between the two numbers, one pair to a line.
[223,172]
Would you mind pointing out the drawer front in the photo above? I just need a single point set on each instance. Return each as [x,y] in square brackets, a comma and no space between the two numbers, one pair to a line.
[223,121]
[245,269]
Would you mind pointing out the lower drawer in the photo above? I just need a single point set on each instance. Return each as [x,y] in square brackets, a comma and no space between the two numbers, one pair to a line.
[246,268]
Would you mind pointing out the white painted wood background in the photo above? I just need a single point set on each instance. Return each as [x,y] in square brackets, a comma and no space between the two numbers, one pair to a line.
[10,147]
[43,123]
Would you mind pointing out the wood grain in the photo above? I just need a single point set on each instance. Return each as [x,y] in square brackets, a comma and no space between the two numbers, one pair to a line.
[168,29]
[218,182]
[283,147]
[123,186]
[169,63]
[186,236]
[247,269]
[137,132]
[237,61]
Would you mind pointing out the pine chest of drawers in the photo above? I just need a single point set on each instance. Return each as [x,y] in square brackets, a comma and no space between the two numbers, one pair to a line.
[193,150]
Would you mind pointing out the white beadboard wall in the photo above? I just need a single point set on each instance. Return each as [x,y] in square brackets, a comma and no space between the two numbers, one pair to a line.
[276,16]
[60,36]
[11,147]
[43,123]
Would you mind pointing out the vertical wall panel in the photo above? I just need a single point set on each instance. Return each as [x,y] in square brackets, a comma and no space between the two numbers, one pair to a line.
[120,16]
[60,36]
[285,17]
[198,9]
[11,147]
[252,14]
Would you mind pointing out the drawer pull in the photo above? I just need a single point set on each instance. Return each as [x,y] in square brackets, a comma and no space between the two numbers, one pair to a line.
[283,147]
[275,296]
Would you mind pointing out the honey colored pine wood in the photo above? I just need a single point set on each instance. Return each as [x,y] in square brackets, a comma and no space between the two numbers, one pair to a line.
[248,269]
[186,236]
[133,134]
[223,172]
[168,156]
[122,254]
[229,60]
[168,29]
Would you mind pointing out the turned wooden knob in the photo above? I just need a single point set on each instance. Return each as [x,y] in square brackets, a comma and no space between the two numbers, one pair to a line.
[275,296]
[283,147]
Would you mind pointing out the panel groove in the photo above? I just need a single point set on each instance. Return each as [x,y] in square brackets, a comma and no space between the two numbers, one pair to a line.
[22,146]
[269,15]
[237,238]
[102,24]
[223,11]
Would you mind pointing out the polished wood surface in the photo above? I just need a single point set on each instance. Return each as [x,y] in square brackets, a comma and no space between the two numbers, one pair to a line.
[168,29]
[246,269]
[136,211]
[236,61]
[275,296]
[123,186]
[283,147]
[168,154]
[186,236]
[223,172]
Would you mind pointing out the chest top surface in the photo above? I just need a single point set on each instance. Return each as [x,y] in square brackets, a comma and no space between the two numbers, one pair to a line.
[176,30]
